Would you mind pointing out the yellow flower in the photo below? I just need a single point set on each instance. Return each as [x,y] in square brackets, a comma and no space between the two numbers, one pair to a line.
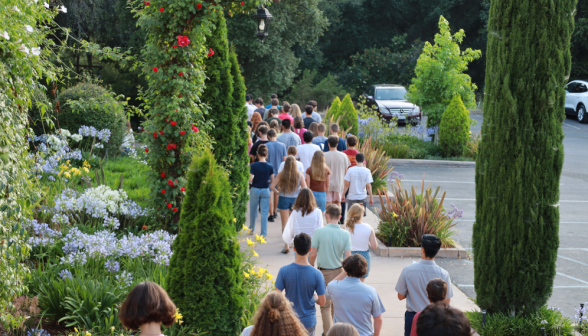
[88,333]
[394,214]
[262,271]
[255,254]
[86,170]
[180,322]
[249,242]
[262,240]
[178,315]
[112,328]
[67,174]
[244,228]
[76,329]
[234,220]
[269,276]
[257,237]
[246,274]
[252,272]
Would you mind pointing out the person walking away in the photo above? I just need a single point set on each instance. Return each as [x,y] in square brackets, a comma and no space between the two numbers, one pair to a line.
[315,115]
[342,329]
[362,235]
[262,132]
[318,176]
[261,175]
[255,120]
[285,114]
[292,152]
[338,164]
[351,152]
[128,139]
[330,244]
[288,138]
[301,281]
[276,127]
[276,156]
[250,107]
[436,292]
[272,96]
[256,131]
[440,320]
[308,116]
[314,129]
[307,150]
[306,217]
[275,105]
[320,139]
[296,111]
[341,146]
[273,116]
[275,316]
[146,308]
[299,127]
[259,107]
[289,180]
[414,278]
[358,181]
[355,302]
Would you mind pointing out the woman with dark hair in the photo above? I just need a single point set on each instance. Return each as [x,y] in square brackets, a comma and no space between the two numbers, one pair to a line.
[436,292]
[261,174]
[289,180]
[299,128]
[318,177]
[275,316]
[255,130]
[146,308]
[305,218]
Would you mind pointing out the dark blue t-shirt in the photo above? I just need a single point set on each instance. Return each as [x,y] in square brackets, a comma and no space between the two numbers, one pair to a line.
[300,283]
[340,147]
[262,172]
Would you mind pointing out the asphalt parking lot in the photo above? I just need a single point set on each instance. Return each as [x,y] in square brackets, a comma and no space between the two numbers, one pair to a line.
[571,282]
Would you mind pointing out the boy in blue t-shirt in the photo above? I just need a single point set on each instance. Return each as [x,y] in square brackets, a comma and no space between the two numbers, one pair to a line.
[301,280]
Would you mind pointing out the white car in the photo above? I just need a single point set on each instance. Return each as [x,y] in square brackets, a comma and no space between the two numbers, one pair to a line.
[577,99]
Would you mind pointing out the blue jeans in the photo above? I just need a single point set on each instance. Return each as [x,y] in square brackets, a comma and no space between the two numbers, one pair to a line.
[321,199]
[259,197]
[408,317]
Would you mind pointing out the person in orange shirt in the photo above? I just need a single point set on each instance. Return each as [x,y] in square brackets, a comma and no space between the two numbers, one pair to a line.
[350,152]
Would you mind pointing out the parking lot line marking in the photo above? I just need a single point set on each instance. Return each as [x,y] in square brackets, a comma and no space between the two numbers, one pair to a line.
[571,277]
[571,125]
[573,248]
[553,286]
[420,181]
[473,200]
[473,220]
[570,259]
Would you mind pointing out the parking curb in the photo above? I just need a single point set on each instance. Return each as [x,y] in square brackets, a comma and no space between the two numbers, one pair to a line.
[432,163]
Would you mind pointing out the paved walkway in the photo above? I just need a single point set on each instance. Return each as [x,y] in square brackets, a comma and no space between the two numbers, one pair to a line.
[383,276]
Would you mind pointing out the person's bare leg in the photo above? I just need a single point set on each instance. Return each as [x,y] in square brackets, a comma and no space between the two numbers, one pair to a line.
[271,208]
[284,215]
[276,198]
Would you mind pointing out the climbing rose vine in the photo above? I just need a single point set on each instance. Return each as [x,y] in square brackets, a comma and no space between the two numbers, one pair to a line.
[173,66]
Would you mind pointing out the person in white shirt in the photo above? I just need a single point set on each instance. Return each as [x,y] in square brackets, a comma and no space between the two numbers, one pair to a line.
[306,151]
[250,107]
[358,181]
[305,218]
[362,235]
[292,151]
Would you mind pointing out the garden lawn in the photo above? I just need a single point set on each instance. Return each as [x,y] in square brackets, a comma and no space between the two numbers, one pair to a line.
[135,182]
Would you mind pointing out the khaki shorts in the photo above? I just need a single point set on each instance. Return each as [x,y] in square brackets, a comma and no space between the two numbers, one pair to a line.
[333,196]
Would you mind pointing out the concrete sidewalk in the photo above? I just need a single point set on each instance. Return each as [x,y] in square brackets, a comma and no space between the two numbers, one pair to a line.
[383,276]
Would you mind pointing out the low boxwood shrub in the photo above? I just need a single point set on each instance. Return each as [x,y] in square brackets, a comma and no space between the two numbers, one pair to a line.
[93,105]
[454,128]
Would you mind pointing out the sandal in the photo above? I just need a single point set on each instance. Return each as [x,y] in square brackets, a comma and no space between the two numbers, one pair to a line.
[285,251]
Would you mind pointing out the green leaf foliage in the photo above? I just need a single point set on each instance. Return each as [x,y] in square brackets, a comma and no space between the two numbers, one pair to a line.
[323,92]
[348,115]
[334,109]
[205,280]
[454,130]
[92,105]
[440,74]
[520,159]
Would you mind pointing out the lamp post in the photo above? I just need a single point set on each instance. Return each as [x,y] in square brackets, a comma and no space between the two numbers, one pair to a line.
[263,18]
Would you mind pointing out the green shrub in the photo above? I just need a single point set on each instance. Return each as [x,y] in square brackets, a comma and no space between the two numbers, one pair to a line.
[323,92]
[501,324]
[454,128]
[92,105]
[334,109]
[349,115]
[471,148]
[205,278]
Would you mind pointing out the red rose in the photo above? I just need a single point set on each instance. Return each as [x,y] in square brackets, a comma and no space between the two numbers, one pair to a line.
[163,192]
[195,129]
[144,226]
[170,182]
[174,46]
[183,41]
[146,149]
[180,96]
[154,135]
[182,132]
[155,69]
[161,132]
[169,147]
[199,6]
[161,10]
[169,206]
[173,123]
[182,189]
[162,175]
[242,3]
[211,53]
[147,3]
[175,209]
[181,74]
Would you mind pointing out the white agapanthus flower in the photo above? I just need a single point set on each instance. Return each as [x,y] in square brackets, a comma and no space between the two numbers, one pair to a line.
[29,28]
[77,137]
[62,9]
[65,132]
[46,5]
[23,48]
[5,35]
[36,51]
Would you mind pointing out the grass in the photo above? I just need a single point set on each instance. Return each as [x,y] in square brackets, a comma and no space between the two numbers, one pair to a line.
[135,182]
[404,146]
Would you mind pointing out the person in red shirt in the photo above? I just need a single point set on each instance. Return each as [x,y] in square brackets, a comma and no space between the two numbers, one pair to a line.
[351,151]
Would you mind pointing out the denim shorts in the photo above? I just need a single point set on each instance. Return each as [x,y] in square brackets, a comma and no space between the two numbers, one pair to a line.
[321,199]
[286,203]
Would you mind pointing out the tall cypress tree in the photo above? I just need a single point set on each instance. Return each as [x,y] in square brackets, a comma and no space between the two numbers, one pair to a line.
[205,280]
[227,110]
[520,158]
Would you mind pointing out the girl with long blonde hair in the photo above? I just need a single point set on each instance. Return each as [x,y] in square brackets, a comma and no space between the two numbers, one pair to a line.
[318,176]
[362,235]
[289,181]
[275,317]
[295,111]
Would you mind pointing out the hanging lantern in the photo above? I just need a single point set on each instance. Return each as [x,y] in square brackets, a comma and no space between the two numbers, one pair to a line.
[263,18]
